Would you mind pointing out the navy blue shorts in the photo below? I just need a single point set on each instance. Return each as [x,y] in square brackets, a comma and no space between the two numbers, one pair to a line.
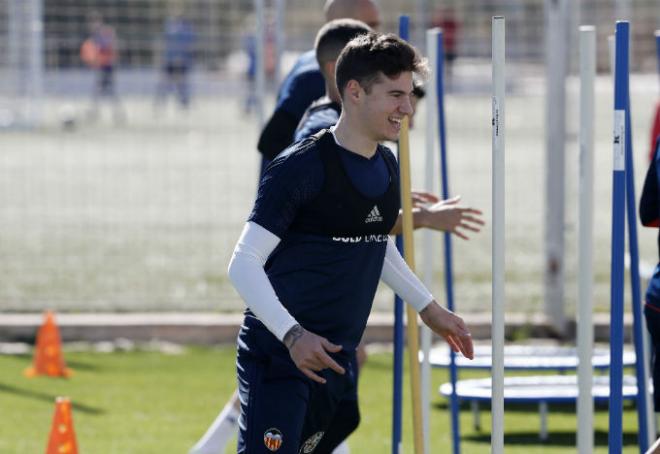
[281,409]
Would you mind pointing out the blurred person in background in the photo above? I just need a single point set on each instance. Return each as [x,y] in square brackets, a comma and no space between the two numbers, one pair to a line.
[655,131]
[445,18]
[178,52]
[304,83]
[99,52]
[270,60]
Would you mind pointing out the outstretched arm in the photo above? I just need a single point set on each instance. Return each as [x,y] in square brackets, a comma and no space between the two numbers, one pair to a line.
[403,281]
[446,215]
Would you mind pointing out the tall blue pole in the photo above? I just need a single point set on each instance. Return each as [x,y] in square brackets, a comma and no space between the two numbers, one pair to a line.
[397,386]
[449,275]
[615,435]
[638,319]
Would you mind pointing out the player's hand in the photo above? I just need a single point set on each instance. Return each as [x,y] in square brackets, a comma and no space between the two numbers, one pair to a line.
[450,326]
[449,216]
[420,198]
[309,353]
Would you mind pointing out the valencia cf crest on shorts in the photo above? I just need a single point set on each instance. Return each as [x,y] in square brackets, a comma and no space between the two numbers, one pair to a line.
[312,442]
[273,439]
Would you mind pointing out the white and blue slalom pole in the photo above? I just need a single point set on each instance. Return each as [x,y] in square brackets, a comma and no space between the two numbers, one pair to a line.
[428,234]
[585,329]
[645,438]
[498,262]
[615,434]
[397,386]
[449,276]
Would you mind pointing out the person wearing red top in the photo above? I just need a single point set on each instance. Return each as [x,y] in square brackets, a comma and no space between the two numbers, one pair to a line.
[99,52]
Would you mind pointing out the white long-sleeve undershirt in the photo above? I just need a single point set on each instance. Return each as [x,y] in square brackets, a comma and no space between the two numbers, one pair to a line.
[400,278]
[247,274]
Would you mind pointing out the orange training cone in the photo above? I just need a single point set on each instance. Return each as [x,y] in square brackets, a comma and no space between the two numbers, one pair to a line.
[62,438]
[48,357]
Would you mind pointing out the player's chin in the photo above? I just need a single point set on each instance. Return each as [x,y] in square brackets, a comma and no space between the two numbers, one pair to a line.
[391,135]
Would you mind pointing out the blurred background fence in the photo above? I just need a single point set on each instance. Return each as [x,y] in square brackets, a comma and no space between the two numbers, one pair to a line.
[135,204]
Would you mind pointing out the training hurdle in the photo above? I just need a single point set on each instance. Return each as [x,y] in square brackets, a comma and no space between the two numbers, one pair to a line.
[530,358]
[541,390]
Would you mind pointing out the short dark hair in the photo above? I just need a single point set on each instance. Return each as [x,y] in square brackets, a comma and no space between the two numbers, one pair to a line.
[365,57]
[333,36]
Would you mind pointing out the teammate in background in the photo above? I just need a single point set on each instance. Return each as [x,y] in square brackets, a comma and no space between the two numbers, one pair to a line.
[270,60]
[445,18]
[310,257]
[179,40]
[99,52]
[304,83]
[649,214]
[655,131]
[446,215]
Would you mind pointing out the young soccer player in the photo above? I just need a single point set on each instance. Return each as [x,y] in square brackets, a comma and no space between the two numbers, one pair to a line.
[310,256]
[446,215]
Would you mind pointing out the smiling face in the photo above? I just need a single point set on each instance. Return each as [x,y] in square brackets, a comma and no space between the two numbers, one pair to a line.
[384,105]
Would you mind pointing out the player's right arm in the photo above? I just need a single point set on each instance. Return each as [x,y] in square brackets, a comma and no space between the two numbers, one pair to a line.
[277,134]
[284,187]
[246,271]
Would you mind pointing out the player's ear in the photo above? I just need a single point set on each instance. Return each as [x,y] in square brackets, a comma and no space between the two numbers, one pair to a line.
[353,91]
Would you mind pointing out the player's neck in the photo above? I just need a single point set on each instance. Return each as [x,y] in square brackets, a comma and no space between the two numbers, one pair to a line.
[349,136]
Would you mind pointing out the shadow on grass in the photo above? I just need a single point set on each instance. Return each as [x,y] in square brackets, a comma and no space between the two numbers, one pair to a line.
[79,365]
[557,438]
[73,364]
[50,398]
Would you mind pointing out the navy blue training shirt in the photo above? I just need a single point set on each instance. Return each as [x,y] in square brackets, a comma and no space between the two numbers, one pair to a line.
[649,214]
[368,175]
[302,86]
[333,237]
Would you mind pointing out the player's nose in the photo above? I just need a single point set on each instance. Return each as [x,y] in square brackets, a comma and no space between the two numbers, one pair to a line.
[406,106]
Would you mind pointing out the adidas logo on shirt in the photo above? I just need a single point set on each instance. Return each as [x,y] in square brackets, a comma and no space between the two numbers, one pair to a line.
[374,216]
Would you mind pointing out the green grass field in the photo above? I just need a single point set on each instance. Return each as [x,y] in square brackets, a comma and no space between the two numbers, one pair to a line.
[149,402]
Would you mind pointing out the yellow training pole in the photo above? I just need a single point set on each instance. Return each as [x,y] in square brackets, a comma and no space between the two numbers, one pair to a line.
[411,315]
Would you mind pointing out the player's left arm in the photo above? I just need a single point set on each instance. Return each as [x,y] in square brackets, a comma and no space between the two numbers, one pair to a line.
[444,322]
